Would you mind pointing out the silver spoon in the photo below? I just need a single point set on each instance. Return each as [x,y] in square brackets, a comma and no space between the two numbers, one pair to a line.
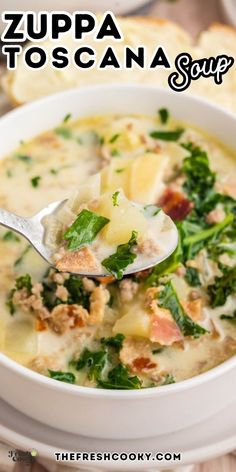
[34,230]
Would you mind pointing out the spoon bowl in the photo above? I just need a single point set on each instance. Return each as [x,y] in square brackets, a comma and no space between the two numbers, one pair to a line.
[33,229]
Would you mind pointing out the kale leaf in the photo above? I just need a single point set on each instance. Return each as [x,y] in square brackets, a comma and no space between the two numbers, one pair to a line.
[117,262]
[229,317]
[223,286]
[192,277]
[119,379]
[67,377]
[167,135]
[116,342]
[164,115]
[94,362]
[168,299]
[84,229]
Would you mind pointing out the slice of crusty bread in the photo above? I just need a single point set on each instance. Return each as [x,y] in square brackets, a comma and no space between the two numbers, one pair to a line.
[24,85]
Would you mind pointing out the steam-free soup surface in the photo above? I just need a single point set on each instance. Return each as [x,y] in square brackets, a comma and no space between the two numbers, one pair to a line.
[155,327]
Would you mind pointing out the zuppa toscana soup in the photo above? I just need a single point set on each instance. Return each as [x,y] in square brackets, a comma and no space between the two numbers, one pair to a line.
[157,326]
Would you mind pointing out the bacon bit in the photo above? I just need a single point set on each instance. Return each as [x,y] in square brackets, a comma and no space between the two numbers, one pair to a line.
[164,330]
[130,126]
[175,204]
[193,308]
[143,363]
[143,139]
[41,325]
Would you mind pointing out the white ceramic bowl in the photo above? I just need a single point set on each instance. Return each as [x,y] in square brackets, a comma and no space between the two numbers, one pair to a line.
[106,413]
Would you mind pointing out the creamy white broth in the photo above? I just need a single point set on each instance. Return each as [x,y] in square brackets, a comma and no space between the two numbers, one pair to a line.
[63,162]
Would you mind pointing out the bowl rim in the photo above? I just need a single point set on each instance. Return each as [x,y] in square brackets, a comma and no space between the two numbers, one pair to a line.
[79,390]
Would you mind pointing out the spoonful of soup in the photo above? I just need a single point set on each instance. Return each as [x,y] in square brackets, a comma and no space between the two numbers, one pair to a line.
[98,236]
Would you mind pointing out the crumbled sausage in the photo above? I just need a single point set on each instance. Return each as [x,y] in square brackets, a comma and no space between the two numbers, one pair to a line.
[147,246]
[28,302]
[64,317]
[62,293]
[98,300]
[215,216]
[88,284]
[128,289]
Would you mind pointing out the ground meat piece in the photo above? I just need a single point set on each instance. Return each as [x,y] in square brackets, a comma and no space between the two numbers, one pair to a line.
[42,363]
[148,247]
[175,204]
[215,216]
[33,302]
[98,300]
[194,294]
[151,294]
[128,289]
[136,354]
[57,277]
[193,308]
[62,293]
[88,284]
[64,317]
[82,260]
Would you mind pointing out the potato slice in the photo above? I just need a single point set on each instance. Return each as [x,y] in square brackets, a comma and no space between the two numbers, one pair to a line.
[21,341]
[146,177]
[124,219]
[134,323]
[117,175]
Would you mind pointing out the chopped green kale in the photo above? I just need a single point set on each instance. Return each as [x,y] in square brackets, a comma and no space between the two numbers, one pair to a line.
[119,378]
[164,115]
[115,197]
[35,181]
[168,299]
[167,135]
[169,379]
[67,377]
[229,317]
[192,277]
[116,342]
[84,229]
[122,258]
[67,118]
[94,362]
[10,236]
[114,138]
[223,286]
[64,133]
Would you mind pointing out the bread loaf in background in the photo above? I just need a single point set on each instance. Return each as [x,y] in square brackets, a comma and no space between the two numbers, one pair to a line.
[24,84]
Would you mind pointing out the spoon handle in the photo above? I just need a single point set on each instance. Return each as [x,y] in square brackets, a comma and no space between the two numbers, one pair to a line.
[17,223]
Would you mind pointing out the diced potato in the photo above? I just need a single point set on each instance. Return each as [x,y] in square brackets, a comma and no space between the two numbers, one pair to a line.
[124,219]
[146,177]
[86,192]
[135,323]
[20,341]
[116,175]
